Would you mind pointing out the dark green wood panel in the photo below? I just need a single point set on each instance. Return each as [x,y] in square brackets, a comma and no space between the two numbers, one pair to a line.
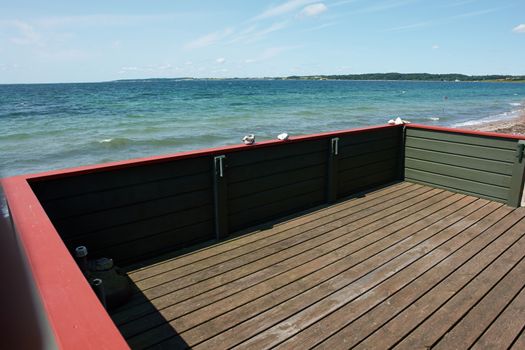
[459,172]
[246,188]
[462,161]
[275,166]
[365,182]
[275,209]
[462,149]
[370,136]
[137,212]
[369,147]
[280,151]
[239,205]
[478,140]
[459,184]
[106,180]
[518,176]
[153,246]
[116,235]
[367,170]
[364,159]
[125,196]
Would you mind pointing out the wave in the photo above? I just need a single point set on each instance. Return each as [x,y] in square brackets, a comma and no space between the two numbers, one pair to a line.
[491,119]
[123,142]
[515,104]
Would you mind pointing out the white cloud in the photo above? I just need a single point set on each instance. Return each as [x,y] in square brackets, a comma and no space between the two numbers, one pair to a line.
[314,9]
[26,33]
[435,47]
[220,60]
[520,28]
[284,8]
[209,39]
[252,36]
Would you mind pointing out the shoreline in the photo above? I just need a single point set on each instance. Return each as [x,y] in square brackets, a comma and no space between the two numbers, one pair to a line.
[515,125]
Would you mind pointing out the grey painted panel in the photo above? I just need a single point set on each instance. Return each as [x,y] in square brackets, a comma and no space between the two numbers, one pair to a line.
[478,140]
[459,172]
[456,183]
[462,149]
[462,161]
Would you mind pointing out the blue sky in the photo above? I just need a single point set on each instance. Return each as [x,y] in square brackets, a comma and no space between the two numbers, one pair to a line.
[75,41]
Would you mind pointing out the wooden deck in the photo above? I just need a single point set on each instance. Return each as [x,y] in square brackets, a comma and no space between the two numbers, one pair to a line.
[406,266]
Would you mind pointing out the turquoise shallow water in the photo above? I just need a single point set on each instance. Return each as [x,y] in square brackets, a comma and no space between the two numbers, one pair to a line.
[52,126]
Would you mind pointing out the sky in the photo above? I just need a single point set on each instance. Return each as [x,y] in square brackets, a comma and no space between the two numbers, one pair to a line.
[102,40]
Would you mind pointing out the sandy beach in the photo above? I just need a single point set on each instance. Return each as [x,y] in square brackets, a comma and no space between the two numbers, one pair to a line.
[510,126]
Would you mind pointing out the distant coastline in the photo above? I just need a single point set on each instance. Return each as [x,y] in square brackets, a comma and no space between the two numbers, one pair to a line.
[449,77]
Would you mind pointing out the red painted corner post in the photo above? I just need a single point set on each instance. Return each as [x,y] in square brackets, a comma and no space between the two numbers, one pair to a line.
[76,317]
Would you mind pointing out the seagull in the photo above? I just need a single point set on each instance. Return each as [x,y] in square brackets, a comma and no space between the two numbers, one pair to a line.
[248,139]
[283,137]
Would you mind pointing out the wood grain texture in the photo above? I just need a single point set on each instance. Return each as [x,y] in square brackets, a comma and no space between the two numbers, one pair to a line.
[409,266]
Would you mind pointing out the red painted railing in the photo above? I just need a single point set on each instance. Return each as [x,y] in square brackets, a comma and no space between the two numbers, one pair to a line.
[77,318]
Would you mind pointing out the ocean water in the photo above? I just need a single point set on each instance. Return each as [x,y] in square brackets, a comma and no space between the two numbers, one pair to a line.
[53,126]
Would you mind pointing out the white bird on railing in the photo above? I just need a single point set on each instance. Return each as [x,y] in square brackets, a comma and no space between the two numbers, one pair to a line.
[398,121]
[283,137]
[248,139]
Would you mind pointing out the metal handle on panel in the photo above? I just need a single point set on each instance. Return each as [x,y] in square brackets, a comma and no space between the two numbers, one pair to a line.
[219,165]
[335,146]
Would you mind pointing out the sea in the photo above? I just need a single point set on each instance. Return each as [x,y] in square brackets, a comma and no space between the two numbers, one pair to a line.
[53,126]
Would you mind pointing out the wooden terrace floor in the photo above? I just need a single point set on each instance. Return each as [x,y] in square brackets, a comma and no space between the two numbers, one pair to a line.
[406,266]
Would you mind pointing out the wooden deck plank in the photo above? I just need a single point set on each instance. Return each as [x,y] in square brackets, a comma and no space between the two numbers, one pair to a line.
[344,316]
[343,286]
[378,240]
[175,290]
[406,265]
[139,273]
[468,283]
[506,327]
[289,238]
[268,301]
[388,309]
[310,257]
[408,260]
[519,343]
[474,323]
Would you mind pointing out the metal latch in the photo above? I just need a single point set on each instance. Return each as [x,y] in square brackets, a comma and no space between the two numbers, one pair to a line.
[219,165]
[335,146]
